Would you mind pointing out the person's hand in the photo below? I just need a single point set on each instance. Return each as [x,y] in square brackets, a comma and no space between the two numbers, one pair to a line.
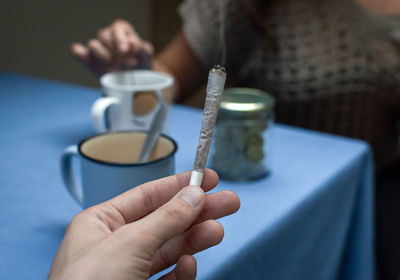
[144,231]
[116,47]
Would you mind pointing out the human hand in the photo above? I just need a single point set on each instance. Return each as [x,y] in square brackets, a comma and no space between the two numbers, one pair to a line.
[116,47]
[144,231]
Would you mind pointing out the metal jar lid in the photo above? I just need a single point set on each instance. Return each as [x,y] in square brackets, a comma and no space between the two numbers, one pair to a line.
[240,100]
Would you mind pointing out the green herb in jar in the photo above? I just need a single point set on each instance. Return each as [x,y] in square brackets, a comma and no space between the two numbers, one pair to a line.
[239,145]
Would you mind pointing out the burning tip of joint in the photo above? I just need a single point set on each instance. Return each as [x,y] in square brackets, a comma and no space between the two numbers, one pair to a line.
[219,67]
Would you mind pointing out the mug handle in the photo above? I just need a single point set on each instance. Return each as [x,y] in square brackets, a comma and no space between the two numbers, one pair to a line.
[70,181]
[99,109]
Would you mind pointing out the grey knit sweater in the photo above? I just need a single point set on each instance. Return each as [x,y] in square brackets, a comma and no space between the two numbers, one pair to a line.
[332,65]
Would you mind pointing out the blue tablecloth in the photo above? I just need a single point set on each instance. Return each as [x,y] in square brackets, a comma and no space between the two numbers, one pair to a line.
[312,218]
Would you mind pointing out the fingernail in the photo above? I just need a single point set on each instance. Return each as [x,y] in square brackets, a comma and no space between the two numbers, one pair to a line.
[192,195]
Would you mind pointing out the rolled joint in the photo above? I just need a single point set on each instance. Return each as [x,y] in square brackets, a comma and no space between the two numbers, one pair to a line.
[216,81]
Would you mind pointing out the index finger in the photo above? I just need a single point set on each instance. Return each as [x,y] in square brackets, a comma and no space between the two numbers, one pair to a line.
[141,200]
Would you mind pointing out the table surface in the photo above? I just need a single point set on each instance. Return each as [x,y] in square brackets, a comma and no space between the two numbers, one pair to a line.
[312,218]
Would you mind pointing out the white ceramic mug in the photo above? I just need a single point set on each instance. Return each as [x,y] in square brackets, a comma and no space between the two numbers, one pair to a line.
[131,100]
[109,165]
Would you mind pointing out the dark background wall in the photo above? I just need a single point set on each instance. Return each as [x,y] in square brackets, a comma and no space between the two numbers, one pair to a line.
[35,35]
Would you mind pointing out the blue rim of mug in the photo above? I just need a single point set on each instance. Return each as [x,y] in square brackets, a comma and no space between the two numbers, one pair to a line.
[171,154]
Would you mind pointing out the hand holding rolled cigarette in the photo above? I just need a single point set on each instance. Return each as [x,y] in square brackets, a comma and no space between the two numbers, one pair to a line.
[215,88]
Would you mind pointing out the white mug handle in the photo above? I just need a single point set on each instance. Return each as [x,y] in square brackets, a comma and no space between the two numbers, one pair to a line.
[70,180]
[98,112]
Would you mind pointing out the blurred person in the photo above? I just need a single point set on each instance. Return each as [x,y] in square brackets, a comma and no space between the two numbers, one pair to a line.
[333,66]
[145,230]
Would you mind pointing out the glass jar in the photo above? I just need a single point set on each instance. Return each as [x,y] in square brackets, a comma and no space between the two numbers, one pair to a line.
[240,146]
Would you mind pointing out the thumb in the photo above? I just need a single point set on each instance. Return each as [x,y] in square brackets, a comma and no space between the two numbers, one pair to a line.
[171,219]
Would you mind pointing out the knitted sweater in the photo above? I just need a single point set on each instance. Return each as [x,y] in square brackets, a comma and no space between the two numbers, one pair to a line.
[331,65]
